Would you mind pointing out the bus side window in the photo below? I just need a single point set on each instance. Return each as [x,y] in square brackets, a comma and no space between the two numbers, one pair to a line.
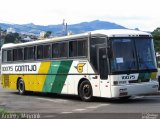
[82,48]
[20,54]
[29,53]
[55,50]
[40,52]
[47,51]
[73,49]
[9,55]
[63,50]
[4,54]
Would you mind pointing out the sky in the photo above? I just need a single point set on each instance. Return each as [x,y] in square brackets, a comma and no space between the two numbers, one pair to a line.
[142,14]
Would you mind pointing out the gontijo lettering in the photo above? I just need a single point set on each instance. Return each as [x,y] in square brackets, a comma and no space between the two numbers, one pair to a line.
[26,68]
[19,68]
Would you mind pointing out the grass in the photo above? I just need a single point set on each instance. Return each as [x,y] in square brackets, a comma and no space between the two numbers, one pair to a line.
[2,111]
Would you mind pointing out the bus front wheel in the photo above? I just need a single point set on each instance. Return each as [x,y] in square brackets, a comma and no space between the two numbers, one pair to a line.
[85,91]
[21,87]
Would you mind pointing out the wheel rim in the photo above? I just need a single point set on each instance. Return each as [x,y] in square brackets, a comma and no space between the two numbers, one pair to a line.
[86,91]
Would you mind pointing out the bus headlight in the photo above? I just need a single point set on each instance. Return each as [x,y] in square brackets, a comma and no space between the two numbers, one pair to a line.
[115,82]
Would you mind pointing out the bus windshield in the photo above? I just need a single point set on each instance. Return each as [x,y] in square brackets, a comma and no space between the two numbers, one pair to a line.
[132,54]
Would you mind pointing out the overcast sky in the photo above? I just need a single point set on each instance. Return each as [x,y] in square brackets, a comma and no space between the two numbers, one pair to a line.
[142,14]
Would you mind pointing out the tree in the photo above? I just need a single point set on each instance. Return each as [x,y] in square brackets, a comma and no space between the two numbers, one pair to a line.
[47,34]
[156,37]
[12,38]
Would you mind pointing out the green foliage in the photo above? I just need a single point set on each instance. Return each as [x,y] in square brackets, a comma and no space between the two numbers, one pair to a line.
[156,37]
[2,111]
[12,38]
[47,34]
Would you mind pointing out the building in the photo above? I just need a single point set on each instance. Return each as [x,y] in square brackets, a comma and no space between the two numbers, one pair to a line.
[11,30]
[42,34]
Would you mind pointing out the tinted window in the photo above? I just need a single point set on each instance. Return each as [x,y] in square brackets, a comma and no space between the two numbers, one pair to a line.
[55,50]
[18,54]
[9,55]
[29,53]
[145,53]
[40,52]
[94,43]
[5,59]
[72,48]
[60,50]
[47,51]
[63,50]
[123,59]
[15,54]
[82,48]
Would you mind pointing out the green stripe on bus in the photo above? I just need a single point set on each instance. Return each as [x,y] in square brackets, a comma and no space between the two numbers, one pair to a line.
[50,78]
[59,81]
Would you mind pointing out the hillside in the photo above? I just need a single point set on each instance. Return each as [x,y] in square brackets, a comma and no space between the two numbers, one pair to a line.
[57,29]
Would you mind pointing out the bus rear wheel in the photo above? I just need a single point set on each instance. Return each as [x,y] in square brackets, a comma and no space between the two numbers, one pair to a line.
[85,91]
[21,87]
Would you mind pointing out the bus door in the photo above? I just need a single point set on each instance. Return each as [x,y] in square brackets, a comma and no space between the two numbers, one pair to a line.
[103,71]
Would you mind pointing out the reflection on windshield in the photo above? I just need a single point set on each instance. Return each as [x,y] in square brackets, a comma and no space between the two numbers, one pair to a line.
[132,54]
[145,54]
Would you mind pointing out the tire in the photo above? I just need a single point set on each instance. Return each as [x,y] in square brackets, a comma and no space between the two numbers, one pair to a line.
[21,87]
[85,91]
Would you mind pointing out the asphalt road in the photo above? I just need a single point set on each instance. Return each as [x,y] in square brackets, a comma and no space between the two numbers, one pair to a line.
[40,105]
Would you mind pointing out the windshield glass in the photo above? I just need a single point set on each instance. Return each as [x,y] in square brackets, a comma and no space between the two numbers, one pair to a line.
[145,54]
[132,54]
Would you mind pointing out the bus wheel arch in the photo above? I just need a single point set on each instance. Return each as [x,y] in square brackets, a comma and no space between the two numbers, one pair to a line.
[85,90]
[21,86]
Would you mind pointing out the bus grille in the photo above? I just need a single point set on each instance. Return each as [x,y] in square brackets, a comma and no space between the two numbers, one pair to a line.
[6,80]
[139,81]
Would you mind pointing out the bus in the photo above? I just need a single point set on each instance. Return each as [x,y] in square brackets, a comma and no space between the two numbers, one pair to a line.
[117,63]
[158,63]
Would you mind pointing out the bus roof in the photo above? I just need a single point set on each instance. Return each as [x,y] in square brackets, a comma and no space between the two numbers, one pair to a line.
[108,33]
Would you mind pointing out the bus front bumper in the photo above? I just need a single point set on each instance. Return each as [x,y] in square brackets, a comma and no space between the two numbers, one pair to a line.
[134,89]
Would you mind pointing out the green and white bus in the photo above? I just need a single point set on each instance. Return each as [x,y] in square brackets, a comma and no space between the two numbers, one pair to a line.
[116,63]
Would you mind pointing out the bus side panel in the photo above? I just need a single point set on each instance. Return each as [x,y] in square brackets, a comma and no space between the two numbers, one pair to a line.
[94,80]
[55,83]
[60,79]
[41,77]
[30,82]
[10,81]
[47,87]
[76,74]
[79,69]
[35,82]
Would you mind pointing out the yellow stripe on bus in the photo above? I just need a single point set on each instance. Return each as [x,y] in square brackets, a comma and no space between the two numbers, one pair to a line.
[44,67]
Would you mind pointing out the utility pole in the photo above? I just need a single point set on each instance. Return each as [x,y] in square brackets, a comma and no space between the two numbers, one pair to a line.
[64,28]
